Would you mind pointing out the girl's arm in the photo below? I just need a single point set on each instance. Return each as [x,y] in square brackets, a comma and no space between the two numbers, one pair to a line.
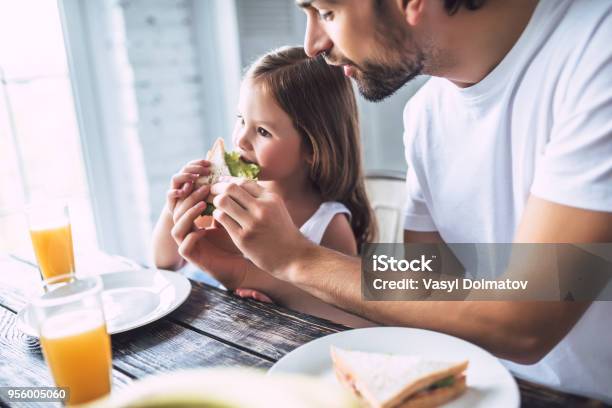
[339,236]
[165,250]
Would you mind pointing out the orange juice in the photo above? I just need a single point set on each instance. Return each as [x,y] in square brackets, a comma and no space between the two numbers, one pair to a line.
[78,351]
[53,248]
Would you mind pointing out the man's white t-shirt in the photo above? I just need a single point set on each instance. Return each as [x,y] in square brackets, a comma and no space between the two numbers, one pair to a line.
[539,124]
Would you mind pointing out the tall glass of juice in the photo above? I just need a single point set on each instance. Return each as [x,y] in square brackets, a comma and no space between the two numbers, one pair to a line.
[51,236]
[73,336]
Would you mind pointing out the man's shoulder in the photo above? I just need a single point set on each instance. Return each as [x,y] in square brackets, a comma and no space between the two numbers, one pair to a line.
[586,24]
[589,12]
[582,55]
[420,103]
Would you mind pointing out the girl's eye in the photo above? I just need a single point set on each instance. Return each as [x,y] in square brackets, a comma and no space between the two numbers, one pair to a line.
[326,15]
[263,132]
[240,119]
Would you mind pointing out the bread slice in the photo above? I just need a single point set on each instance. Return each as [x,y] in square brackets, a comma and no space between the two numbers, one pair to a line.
[397,381]
[218,167]
[430,399]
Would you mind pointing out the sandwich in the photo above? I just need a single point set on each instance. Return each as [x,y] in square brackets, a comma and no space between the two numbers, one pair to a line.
[398,381]
[224,164]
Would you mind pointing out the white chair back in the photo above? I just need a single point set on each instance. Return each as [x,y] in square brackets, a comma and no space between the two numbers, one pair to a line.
[387,193]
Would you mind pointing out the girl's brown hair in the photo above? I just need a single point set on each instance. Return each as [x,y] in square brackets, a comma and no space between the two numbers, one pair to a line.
[321,103]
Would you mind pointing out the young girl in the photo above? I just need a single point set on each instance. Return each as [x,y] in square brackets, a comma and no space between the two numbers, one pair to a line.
[297,119]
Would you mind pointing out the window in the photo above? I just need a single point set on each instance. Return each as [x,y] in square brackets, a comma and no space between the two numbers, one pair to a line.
[40,151]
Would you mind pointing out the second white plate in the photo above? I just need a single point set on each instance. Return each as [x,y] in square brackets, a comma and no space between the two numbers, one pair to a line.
[489,382]
[131,299]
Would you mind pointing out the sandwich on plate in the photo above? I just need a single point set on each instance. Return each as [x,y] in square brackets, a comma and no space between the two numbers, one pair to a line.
[223,164]
[399,381]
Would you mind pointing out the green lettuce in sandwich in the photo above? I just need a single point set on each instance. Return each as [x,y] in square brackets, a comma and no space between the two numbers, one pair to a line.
[223,164]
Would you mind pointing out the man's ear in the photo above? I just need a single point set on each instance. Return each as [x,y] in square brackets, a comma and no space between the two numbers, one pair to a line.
[412,9]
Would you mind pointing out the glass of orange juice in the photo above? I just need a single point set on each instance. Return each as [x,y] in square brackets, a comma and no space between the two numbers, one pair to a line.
[73,336]
[51,238]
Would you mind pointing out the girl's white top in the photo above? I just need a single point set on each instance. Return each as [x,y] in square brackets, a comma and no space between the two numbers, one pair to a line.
[315,226]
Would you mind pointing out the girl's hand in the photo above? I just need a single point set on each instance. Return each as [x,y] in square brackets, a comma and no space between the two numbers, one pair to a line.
[253,294]
[181,184]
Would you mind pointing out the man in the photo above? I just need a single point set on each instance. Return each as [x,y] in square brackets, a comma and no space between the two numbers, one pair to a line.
[510,141]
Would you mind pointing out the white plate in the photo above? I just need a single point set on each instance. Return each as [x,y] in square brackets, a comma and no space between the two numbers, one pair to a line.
[490,384]
[131,299]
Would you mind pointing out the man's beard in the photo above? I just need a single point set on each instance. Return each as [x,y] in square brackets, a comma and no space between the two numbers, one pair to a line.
[383,75]
[377,81]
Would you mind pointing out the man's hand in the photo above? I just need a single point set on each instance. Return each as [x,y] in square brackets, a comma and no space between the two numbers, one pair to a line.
[206,248]
[259,224]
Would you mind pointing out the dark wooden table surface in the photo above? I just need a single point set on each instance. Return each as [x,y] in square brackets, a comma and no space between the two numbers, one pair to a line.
[212,328]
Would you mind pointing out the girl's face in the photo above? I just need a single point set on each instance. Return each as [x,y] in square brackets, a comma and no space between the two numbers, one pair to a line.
[264,134]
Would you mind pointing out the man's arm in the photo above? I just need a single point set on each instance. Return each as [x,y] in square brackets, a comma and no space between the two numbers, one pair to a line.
[519,331]
[419,237]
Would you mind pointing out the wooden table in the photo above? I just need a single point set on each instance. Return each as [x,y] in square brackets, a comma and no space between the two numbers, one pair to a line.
[212,328]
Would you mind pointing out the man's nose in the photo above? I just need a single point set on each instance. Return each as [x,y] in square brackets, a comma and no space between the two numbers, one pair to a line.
[316,39]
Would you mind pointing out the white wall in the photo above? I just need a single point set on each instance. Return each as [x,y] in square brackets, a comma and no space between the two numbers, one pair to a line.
[167,81]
